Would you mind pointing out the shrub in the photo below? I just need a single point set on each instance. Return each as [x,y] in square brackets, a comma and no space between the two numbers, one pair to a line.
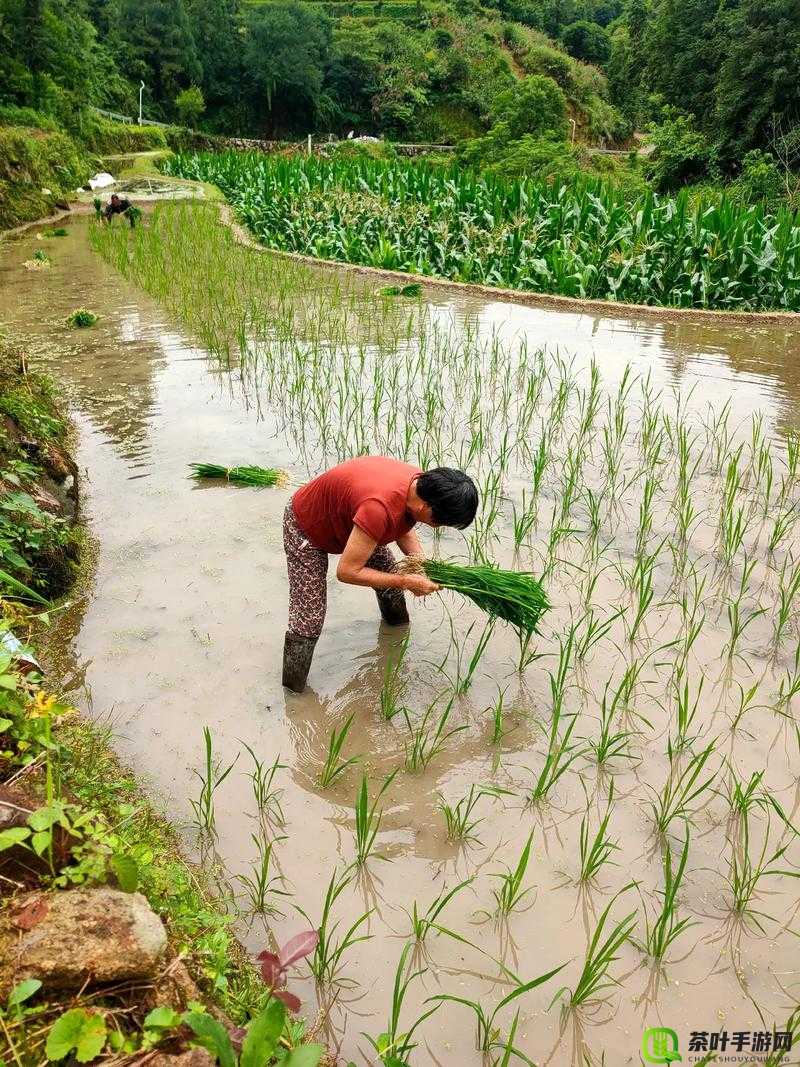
[682,154]
[190,105]
[535,105]
[587,41]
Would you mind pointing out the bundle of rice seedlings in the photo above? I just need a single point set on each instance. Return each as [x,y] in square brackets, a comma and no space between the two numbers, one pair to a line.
[412,289]
[514,596]
[59,231]
[258,476]
[81,318]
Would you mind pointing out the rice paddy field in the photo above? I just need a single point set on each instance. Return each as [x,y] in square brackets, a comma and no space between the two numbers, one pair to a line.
[578,239]
[516,851]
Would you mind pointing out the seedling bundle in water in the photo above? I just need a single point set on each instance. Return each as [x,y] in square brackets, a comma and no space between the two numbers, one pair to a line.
[81,318]
[256,476]
[412,289]
[514,596]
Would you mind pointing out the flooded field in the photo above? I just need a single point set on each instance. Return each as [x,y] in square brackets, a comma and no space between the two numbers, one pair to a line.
[646,743]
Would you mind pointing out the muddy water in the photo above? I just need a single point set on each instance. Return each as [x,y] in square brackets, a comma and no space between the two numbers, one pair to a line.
[184,628]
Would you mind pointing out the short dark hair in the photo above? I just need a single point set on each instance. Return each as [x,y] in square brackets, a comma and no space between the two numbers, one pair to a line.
[450,494]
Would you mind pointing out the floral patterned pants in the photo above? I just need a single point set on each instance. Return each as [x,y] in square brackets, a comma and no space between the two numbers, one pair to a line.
[308,577]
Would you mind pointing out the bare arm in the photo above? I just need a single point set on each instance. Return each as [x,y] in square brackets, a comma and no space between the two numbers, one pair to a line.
[353,570]
[410,545]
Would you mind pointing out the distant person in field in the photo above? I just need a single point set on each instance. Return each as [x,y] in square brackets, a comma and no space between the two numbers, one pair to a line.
[118,205]
[356,510]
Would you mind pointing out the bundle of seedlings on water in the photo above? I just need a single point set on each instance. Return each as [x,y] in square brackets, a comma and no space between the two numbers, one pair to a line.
[58,232]
[412,289]
[97,204]
[81,318]
[513,596]
[255,476]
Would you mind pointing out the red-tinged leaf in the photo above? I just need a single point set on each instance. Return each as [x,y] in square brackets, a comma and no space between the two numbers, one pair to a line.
[298,946]
[31,914]
[289,999]
[271,969]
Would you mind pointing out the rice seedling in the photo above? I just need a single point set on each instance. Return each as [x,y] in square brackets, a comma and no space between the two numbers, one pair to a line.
[486,1030]
[513,596]
[745,873]
[782,526]
[739,617]
[430,736]
[412,289]
[394,683]
[326,963]
[368,820]
[746,698]
[789,685]
[788,591]
[458,817]
[593,632]
[507,1047]
[252,476]
[211,778]
[58,231]
[783,1040]
[596,850]
[463,683]
[267,796]
[498,719]
[611,743]
[423,923]
[600,954]
[686,703]
[261,885]
[681,789]
[81,318]
[394,1046]
[667,927]
[510,895]
[335,766]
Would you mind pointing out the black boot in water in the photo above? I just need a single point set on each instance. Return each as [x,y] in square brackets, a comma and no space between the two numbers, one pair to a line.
[298,652]
[392,603]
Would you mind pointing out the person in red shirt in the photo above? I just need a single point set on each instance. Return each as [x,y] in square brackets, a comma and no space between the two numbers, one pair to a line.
[356,510]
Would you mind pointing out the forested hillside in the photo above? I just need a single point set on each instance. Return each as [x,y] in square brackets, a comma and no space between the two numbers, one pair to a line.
[712,80]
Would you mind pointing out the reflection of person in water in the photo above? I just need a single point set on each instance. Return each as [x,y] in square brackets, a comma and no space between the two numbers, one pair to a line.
[356,510]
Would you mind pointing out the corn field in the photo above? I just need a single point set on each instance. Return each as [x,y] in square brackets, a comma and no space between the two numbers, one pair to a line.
[579,238]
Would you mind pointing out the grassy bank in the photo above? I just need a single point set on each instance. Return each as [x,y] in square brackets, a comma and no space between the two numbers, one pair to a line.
[73,820]
[42,164]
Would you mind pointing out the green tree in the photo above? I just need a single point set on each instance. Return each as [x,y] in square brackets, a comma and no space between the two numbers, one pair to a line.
[285,57]
[535,105]
[154,42]
[216,30]
[681,45]
[587,41]
[682,153]
[759,82]
[190,105]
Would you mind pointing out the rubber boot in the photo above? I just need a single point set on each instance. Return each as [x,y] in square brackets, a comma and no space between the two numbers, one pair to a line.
[298,651]
[392,604]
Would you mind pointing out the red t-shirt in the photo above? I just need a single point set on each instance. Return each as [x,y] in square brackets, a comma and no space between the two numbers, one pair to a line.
[370,492]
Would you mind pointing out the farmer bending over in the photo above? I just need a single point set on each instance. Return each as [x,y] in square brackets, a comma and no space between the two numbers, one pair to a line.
[118,206]
[356,510]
